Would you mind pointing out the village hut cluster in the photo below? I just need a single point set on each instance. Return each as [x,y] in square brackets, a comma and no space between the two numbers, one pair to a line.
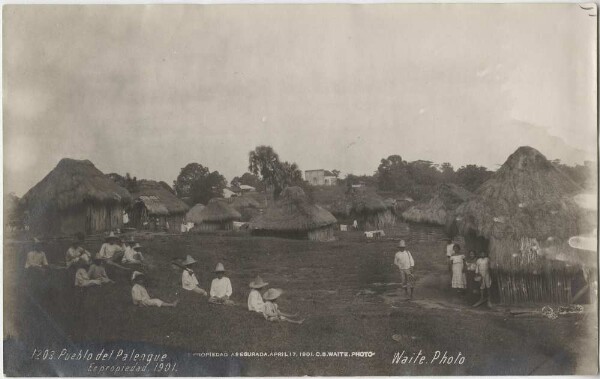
[156,207]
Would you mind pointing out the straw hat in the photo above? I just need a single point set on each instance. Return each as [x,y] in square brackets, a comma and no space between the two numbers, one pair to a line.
[402,243]
[220,267]
[272,294]
[135,275]
[36,240]
[258,283]
[112,236]
[137,246]
[188,261]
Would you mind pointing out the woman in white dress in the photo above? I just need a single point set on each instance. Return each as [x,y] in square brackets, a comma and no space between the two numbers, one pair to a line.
[459,280]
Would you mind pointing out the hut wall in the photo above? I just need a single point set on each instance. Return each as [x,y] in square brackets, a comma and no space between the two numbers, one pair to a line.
[214,226]
[100,218]
[175,222]
[322,234]
[378,220]
[141,219]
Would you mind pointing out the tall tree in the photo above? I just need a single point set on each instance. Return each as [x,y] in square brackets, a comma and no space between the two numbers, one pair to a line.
[199,184]
[276,175]
[248,179]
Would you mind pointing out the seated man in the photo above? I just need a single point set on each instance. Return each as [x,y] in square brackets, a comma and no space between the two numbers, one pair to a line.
[77,253]
[133,255]
[255,300]
[82,278]
[220,288]
[111,248]
[36,258]
[98,272]
[140,296]
[189,281]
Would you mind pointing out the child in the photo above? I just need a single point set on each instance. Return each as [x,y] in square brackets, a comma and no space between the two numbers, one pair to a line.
[77,253]
[140,296]
[133,255]
[458,264]
[483,271]
[220,288]
[189,281]
[255,300]
[471,263]
[271,310]
[98,272]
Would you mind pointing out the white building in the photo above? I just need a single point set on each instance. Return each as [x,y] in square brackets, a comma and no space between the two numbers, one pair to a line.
[320,177]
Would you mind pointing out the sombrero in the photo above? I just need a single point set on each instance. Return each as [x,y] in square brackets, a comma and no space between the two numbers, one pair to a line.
[258,283]
[188,260]
[112,236]
[136,274]
[220,267]
[272,294]
[137,246]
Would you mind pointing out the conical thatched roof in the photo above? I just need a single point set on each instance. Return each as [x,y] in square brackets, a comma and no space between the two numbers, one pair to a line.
[239,202]
[292,212]
[439,207]
[218,210]
[72,183]
[195,214]
[367,203]
[157,199]
[527,197]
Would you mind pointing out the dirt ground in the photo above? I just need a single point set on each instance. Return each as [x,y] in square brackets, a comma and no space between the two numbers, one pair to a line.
[348,291]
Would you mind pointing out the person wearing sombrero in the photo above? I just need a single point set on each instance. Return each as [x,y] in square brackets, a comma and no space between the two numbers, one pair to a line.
[189,281]
[271,311]
[111,248]
[220,288]
[255,300]
[36,258]
[82,277]
[140,296]
[405,262]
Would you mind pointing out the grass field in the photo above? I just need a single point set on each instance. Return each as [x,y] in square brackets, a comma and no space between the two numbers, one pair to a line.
[346,289]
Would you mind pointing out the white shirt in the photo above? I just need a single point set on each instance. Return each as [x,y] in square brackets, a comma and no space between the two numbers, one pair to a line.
[188,280]
[75,254]
[140,296]
[82,279]
[108,250]
[131,256]
[404,260]
[220,287]
[255,301]
[449,250]
[36,259]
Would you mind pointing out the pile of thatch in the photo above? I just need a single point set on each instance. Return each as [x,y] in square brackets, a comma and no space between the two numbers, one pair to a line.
[294,214]
[370,210]
[195,214]
[71,184]
[440,207]
[219,211]
[158,200]
[526,212]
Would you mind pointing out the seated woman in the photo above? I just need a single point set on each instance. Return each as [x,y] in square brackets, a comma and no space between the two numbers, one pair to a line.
[189,281]
[98,272]
[271,310]
[255,300]
[77,253]
[220,288]
[82,278]
[140,296]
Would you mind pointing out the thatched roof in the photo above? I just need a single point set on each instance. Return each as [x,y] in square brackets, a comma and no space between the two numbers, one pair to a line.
[195,214]
[218,210]
[441,206]
[367,203]
[292,212]
[157,199]
[240,202]
[527,197]
[71,184]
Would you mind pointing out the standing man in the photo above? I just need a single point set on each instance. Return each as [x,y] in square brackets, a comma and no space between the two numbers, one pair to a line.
[405,263]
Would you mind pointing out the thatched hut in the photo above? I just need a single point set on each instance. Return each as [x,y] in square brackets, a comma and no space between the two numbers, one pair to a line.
[370,211]
[246,205]
[155,207]
[218,215]
[195,214]
[75,197]
[524,215]
[439,209]
[293,216]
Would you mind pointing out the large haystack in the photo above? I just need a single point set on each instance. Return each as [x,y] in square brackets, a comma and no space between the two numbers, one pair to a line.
[439,209]
[75,197]
[293,216]
[156,207]
[218,215]
[525,214]
[195,214]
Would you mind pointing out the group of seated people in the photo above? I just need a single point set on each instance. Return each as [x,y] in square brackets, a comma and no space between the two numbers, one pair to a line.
[91,271]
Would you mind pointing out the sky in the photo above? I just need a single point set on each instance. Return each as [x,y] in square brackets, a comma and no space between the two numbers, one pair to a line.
[148,89]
